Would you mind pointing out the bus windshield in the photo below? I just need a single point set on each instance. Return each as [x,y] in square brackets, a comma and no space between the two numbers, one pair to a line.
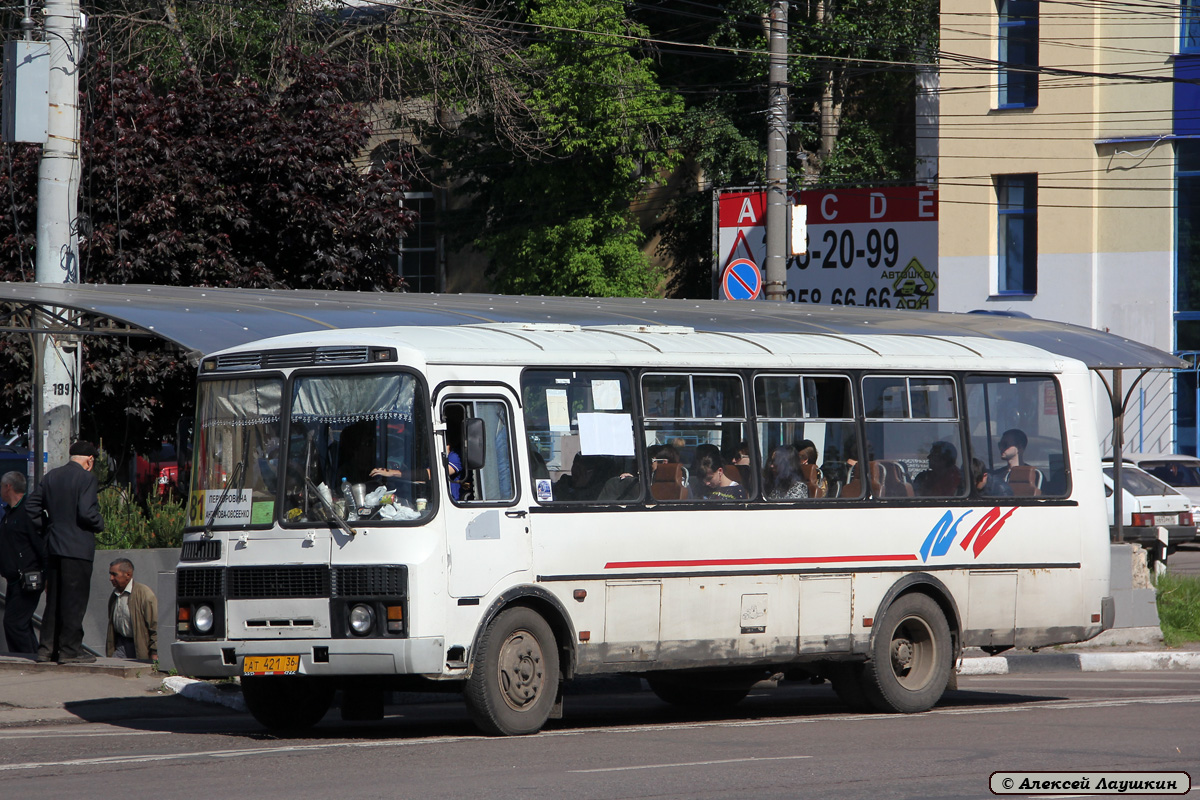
[359,447]
[237,443]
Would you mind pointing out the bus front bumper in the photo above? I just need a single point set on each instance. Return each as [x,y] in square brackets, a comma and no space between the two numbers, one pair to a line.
[325,657]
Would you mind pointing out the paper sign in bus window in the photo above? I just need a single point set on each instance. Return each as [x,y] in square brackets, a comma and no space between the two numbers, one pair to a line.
[606,434]
[557,411]
[606,395]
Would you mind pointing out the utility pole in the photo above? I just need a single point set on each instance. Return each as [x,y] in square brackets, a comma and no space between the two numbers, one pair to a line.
[777,129]
[56,387]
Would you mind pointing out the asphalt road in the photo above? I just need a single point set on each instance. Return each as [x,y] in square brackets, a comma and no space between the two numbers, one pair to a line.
[1185,560]
[795,741]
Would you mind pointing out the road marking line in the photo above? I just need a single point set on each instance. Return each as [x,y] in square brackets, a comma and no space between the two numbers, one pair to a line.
[689,764]
[77,734]
[440,740]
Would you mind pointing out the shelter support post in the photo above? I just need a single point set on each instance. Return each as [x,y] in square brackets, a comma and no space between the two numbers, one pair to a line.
[1119,405]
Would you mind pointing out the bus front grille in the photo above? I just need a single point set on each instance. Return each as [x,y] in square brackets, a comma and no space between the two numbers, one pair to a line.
[199,582]
[259,583]
[370,581]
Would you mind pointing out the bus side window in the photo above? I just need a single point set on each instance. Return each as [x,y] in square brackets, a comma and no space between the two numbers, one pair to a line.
[493,481]
[1022,413]
[580,445]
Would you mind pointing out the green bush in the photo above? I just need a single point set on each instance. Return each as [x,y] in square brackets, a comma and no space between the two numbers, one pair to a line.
[127,526]
[1179,608]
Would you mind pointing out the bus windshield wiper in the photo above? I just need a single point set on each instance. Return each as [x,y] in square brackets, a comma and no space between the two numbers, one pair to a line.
[234,477]
[333,515]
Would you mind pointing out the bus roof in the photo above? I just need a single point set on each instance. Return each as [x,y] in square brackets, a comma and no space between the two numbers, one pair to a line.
[540,344]
[205,320]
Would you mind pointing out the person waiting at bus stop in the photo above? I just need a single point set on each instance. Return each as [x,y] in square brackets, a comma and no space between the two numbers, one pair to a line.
[65,509]
[22,563]
[132,615]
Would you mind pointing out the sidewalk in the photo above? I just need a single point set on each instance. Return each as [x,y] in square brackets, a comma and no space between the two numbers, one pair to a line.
[113,689]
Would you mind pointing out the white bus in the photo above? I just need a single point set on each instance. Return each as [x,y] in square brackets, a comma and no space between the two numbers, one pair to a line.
[631,499]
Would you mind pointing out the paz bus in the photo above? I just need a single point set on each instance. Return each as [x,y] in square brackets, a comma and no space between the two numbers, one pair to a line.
[497,508]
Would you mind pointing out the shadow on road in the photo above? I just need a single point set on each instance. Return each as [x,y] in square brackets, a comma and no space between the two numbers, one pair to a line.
[441,716]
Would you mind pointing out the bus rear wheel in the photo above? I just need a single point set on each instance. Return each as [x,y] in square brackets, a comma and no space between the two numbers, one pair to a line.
[910,659]
[287,702]
[514,683]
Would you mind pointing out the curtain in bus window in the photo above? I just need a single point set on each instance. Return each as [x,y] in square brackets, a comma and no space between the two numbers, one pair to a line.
[698,421]
[352,398]
[1016,435]
[806,436]
[581,446]
[237,446]
[914,445]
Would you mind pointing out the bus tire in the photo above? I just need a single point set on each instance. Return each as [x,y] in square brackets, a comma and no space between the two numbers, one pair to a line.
[514,683]
[910,659]
[287,702]
[694,694]
[847,681]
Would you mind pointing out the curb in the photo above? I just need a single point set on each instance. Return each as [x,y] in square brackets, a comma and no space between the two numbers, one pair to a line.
[204,692]
[1078,662]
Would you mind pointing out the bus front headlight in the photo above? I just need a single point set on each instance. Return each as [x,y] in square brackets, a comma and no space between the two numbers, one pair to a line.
[203,619]
[362,619]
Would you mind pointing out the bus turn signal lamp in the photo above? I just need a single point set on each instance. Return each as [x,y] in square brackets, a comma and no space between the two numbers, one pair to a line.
[183,619]
[395,619]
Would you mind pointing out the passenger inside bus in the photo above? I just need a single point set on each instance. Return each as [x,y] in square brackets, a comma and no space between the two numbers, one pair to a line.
[984,484]
[718,485]
[943,478]
[783,476]
[1025,480]
[585,480]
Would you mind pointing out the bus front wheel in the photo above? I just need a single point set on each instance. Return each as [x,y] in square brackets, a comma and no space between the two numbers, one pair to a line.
[910,659]
[514,682]
[287,702]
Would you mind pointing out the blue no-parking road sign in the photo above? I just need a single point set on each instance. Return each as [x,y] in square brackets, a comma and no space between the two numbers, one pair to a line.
[741,280]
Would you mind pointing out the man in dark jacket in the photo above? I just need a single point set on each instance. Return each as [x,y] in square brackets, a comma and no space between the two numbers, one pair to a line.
[65,509]
[21,551]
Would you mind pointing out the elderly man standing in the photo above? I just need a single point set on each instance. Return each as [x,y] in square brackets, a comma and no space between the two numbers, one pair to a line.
[65,509]
[132,615]
[22,555]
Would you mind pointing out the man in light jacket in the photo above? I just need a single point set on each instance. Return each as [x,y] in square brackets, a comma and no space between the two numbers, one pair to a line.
[132,615]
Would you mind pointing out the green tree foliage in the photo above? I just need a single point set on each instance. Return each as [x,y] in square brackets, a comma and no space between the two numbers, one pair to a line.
[558,220]
[837,53]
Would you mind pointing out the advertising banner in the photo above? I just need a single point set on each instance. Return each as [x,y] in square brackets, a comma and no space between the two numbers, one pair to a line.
[866,247]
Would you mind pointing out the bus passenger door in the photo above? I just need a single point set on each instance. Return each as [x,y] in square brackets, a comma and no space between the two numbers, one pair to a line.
[486,531]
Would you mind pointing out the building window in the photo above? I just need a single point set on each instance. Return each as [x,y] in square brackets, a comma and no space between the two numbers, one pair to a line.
[1016,200]
[416,261]
[1018,53]
[1189,26]
[1187,291]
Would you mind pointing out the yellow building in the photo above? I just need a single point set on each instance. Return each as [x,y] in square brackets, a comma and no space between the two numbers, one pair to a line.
[1058,129]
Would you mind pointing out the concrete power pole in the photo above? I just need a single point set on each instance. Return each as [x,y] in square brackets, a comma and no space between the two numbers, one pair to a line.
[57,234]
[777,129]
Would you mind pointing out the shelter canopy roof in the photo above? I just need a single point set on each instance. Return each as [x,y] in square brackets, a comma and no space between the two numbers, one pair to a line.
[204,320]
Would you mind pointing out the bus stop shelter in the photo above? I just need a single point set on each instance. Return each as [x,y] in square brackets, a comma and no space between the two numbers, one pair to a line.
[203,320]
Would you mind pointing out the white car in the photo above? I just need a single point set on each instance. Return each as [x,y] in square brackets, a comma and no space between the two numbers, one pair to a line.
[1182,472]
[1148,504]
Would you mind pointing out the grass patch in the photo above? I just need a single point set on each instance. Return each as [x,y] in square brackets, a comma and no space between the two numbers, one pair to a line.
[1179,608]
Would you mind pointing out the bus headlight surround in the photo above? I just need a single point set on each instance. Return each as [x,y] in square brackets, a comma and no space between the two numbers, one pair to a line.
[362,619]
[202,619]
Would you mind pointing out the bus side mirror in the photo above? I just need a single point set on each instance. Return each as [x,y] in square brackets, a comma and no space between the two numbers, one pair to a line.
[474,444]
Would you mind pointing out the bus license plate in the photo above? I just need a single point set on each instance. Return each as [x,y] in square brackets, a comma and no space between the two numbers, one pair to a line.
[270,665]
[1166,519]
